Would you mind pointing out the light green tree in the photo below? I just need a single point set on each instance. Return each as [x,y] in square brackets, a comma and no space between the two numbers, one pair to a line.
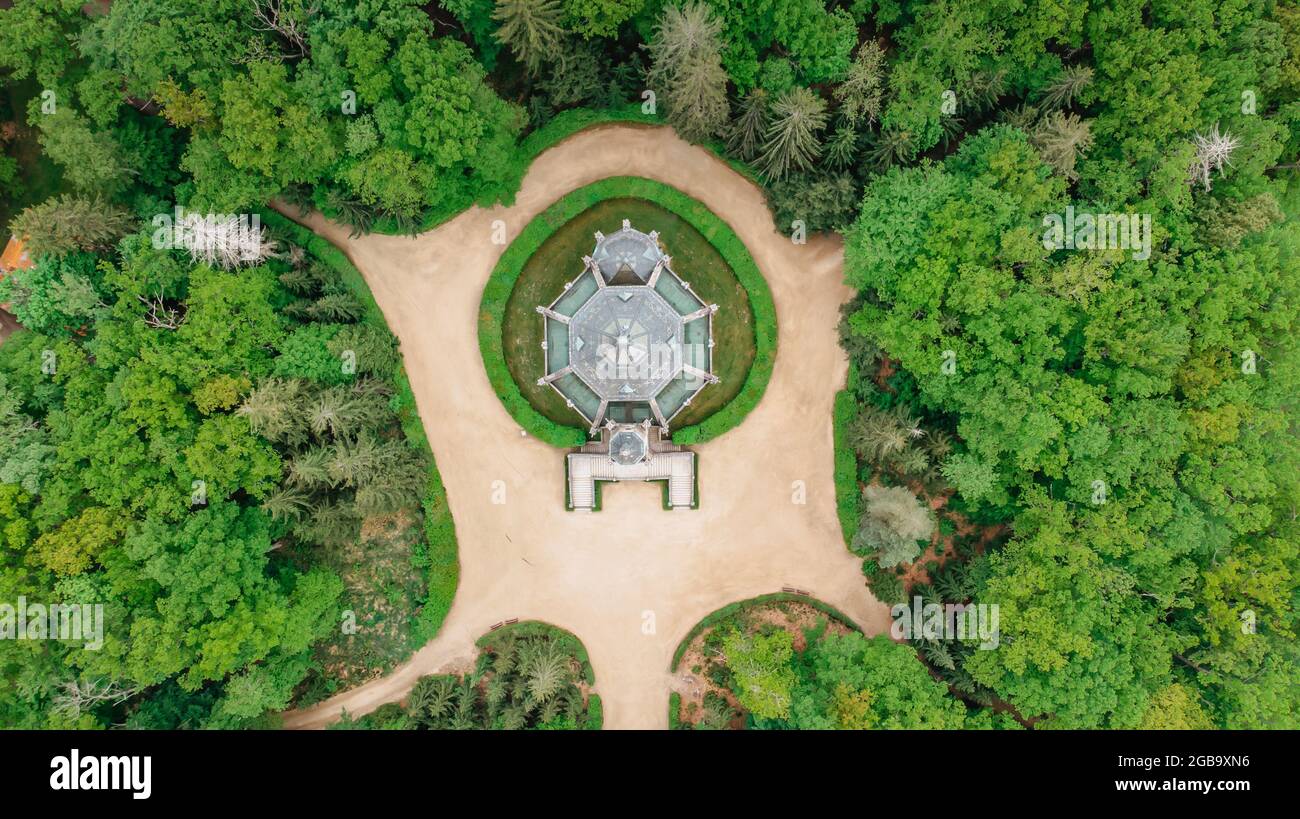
[861,93]
[532,29]
[894,522]
[686,69]
[764,676]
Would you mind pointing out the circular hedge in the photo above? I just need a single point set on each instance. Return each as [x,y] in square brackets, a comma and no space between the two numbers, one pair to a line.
[553,265]
[501,284]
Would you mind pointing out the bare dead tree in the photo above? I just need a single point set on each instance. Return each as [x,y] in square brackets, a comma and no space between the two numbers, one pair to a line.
[159,315]
[1213,151]
[296,256]
[290,26]
[76,696]
[227,241]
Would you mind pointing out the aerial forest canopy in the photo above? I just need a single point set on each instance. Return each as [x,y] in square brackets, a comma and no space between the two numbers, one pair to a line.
[1092,428]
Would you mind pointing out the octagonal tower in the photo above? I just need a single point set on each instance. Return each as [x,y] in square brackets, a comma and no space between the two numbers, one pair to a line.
[628,341]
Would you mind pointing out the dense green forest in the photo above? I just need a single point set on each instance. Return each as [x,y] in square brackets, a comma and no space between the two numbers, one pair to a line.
[1102,442]
[207,449]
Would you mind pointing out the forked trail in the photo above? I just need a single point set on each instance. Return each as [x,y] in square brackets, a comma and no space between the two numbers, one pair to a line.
[630,580]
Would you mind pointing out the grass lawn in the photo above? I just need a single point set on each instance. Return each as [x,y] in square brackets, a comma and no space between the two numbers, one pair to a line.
[559,260]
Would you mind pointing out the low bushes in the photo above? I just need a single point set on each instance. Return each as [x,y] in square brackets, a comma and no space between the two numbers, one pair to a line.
[732,609]
[502,281]
[528,676]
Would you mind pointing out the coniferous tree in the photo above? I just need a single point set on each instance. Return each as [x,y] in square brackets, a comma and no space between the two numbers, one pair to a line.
[532,30]
[1062,139]
[351,211]
[1066,87]
[274,410]
[287,503]
[791,141]
[982,89]
[890,147]
[842,147]
[893,522]
[861,94]
[545,667]
[746,133]
[686,70]
[67,223]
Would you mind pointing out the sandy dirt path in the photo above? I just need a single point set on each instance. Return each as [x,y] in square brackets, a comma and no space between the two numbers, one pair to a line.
[631,580]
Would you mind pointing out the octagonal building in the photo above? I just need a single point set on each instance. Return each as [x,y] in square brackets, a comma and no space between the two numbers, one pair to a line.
[627,341]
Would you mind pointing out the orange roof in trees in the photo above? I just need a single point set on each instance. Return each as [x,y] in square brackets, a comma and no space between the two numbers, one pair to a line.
[14,257]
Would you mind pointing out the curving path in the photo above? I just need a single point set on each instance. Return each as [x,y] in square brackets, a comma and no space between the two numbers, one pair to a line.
[612,576]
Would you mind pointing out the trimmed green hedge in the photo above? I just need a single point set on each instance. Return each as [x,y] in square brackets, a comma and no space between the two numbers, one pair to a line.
[733,608]
[511,264]
[595,713]
[568,123]
[674,711]
[437,553]
[847,497]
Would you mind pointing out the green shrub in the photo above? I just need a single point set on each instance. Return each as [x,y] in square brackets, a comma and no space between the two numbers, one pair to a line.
[674,711]
[535,233]
[439,558]
[847,498]
[537,628]
[887,587]
[56,296]
[305,353]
